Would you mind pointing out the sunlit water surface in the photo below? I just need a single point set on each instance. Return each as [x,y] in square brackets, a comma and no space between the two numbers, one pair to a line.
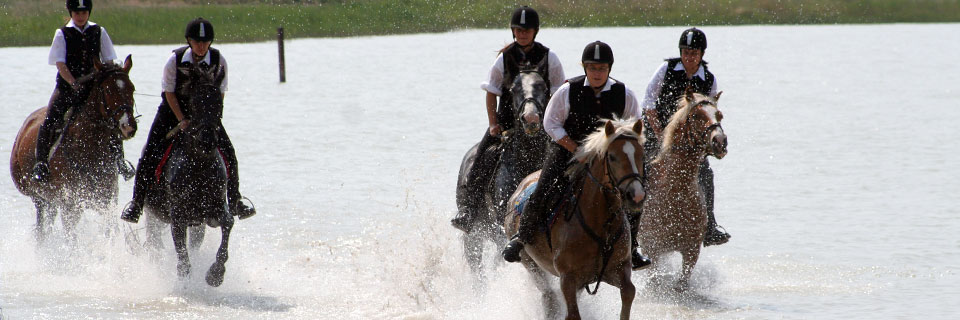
[839,188]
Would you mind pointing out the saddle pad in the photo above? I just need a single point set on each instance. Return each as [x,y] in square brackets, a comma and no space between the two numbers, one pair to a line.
[524,197]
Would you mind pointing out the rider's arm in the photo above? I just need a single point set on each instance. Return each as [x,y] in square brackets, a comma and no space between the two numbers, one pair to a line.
[557,78]
[568,144]
[649,104]
[58,57]
[556,113]
[492,109]
[65,73]
[168,83]
[107,53]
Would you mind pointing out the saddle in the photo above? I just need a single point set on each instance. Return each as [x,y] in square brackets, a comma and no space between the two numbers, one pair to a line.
[158,171]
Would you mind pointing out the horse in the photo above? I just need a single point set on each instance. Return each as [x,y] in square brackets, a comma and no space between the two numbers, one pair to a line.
[193,179]
[674,217]
[591,241]
[83,167]
[523,153]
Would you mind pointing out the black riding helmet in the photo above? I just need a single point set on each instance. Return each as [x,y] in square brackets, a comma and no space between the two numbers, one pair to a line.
[199,29]
[79,5]
[527,18]
[693,38]
[597,52]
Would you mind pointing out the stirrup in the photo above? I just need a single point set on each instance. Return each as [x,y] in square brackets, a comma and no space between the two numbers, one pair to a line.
[241,210]
[126,169]
[715,236]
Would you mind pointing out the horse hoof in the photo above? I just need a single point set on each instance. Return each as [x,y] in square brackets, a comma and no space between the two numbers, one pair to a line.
[215,275]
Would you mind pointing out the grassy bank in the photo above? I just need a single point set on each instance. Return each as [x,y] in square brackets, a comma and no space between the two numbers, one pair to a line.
[32,22]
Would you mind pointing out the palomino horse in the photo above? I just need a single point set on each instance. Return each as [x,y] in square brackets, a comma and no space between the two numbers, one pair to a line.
[591,241]
[674,216]
[83,167]
[194,179]
[523,153]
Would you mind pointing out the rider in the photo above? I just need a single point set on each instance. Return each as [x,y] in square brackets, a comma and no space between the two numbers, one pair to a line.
[660,102]
[74,47]
[174,111]
[572,114]
[524,52]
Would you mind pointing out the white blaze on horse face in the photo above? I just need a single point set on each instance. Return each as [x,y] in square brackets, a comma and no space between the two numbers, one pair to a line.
[125,126]
[120,84]
[636,189]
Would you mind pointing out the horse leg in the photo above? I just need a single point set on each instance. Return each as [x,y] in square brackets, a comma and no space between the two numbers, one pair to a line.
[44,219]
[153,232]
[551,305]
[215,274]
[179,231]
[473,252]
[627,290]
[690,258]
[196,236]
[569,287]
[70,217]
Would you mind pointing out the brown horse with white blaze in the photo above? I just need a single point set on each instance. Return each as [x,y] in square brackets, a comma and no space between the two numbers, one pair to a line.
[674,215]
[83,169]
[590,238]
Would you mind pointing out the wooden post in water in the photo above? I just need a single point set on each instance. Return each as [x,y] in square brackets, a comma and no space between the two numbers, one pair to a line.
[283,72]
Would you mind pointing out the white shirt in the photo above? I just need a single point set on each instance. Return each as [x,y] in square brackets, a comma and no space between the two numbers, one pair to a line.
[58,50]
[169,80]
[495,79]
[656,84]
[559,108]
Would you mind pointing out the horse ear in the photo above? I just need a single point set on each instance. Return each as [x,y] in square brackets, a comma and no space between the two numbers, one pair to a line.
[608,128]
[638,127]
[717,97]
[127,64]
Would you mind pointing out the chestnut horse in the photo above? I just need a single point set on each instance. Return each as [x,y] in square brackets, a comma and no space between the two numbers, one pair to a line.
[524,147]
[590,242]
[83,169]
[675,215]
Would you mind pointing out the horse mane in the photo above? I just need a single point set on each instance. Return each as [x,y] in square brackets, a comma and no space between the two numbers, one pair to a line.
[679,118]
[597,143]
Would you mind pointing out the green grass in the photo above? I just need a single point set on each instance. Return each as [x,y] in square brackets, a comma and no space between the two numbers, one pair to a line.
[32,22]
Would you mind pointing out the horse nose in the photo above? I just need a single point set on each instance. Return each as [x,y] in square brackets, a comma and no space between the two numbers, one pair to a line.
[720,145]
[532,118]
[637,193]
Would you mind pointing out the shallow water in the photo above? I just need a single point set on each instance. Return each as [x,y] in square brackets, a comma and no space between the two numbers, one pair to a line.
[838,188]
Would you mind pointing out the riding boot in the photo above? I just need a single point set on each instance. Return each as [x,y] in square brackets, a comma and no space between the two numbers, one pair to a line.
[714,235]
[234,199]
[637,259]
[530,218]
[45,137]
[478,178]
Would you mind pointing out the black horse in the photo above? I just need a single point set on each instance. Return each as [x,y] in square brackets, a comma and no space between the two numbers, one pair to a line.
[523,151]
[193,183]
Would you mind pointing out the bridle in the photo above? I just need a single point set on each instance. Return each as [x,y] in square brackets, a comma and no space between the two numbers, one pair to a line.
[109,119]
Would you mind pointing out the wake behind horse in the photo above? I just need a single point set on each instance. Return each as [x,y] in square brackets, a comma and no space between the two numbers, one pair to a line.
[674,215]
[589,239]
[193,183]
[524,148]
[83,170]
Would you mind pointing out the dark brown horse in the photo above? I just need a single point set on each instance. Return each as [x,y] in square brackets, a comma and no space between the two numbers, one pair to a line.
[674,215]
[193,184]
[524,147]
[83,169]
[590,239]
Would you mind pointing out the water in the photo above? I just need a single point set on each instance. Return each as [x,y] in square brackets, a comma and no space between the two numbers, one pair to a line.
[839,188]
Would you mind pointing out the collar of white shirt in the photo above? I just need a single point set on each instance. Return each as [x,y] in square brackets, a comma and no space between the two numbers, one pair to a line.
[188,56]
[610,83]
[74,25]
[700,73]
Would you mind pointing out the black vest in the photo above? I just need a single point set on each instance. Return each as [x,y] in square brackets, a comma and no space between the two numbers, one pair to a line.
[183,77]
[82,48]
[675,82]
[514,59]
[586,109]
